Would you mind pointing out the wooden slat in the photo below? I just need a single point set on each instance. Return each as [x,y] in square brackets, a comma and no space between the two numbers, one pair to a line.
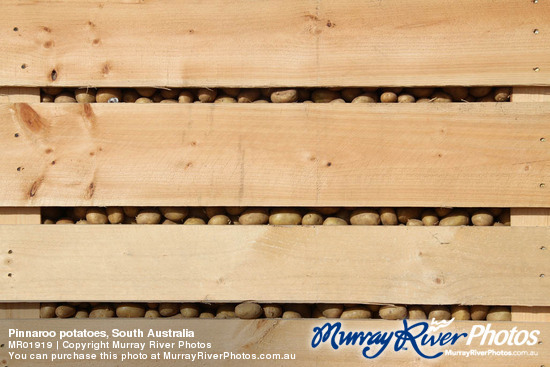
[477,155]
[274,43]
[259,337]
[437,265]
[533,216]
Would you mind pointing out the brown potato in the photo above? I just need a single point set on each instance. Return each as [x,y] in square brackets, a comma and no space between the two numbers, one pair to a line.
[219,220]
[479,312]
[365,217]
[335,221]
[365,98]
[189,310]
[102,311]
[440,313]
[81,314]
[225,99]
[170,93]
[406,98]
[422,92]
[232,92]
[301,308]
[312,219]
[324,95]
[214,210]
[499,313]
[272,311]
[327,210]
[206,95]
[404,214]
[194,221]
[130,310]
[441,212]
[174,213]
[504,218]
[373,308]
[131,211]
[458,217]
[388,217]
[186,96]
[168,101]
[416,313]
[85,95]
[115,214]
[148,216]
[78,212]
[393,312]
[146,92]
[65,97]
[235,210]
[285,216]
[331,311]
[46,98]
[143,100]
[291,315]
[248,95]
[47,310]
[130,96]
[153,306]
[168,309]
[349,94]
[480,91]
[65,221]
[254,216]
[482,217]
[356,312]
[458,93]
[338,100]
[415,222]
[53,90]
[82,221]
[284,96]
[430,218]
[152,314]
[103,95]
[248,310]
[225,312]
[441,97]
[316,314]
[388,97]
[424,100]
[206,315]
[96,216]
[459,312]
[502,94]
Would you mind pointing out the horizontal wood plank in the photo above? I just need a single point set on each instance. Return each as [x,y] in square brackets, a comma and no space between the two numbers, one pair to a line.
[256,337]
[477,155]
[274,43]
[410,265]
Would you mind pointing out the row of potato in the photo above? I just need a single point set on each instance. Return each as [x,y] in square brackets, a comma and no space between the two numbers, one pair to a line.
[278,216]
[251,310]
[277,95]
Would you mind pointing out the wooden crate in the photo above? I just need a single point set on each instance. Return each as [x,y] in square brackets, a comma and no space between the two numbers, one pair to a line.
[463,155]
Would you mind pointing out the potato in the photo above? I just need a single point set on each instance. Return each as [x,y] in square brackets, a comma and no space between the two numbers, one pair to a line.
[365,98]
[404,214]
[235,210]
[388,97]
[206,95]
[225,99]
[79,212]
[176,316]
[504,218]
[415,222]
[301,308]
[102,311]
[327,210]
[173,213]
[406,98]
[459,312]
[82,221]
[130,310]
[189,310]
[395,90]
[426,308]
[291,315]
[429,218]
[146,92]
[458,217]
[479,312]
[103,95]
[416,313]
[338,100]
[423,100]
[285,216]
[441,97]
[343,214]
[96,216]
[349,94]
[440,313]
[260,101]
[148,216]
[480,91]
[85,95]
[65,97]
[53,90]
[458,93]
[253,216]
[392,312]
[441,212]
[331,311]
[46,98]
[335,221]
[248,95]
[186,96]
[231,92]
[47,310]
[115,214]
[324,95]
[248,310]
[225,312]
[356,312]
[482,217]
[170,93]
[153,306]
[365,217]
[284,96]
[487,99]
[388,217]
[65,221]
[373,308]
[219,220]
[214,210]
[168,101]
[502,94]
[272,311]
[152,314]
[312,219]
[131,211]
[143,100]
[206,315]
[49,221]
[194,221]
[422,92]
[168,309]
[81,314]
[499,313]
[130,96]
[316,314]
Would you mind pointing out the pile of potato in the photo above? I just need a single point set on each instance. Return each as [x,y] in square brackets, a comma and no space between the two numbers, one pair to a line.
[278,216]
[251,310]
[277,95]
